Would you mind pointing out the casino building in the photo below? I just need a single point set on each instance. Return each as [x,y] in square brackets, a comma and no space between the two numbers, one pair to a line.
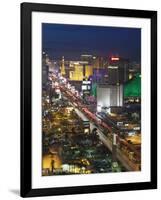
[109,96]
[132,90]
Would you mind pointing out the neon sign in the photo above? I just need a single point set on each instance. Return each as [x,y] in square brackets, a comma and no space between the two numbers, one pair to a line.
[115,58]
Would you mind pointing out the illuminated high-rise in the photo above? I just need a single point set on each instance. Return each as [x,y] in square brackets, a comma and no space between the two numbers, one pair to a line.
[109,96]
[78,70]
[117,70]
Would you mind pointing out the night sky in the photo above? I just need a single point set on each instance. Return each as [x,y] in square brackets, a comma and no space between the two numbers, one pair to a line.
[71,41]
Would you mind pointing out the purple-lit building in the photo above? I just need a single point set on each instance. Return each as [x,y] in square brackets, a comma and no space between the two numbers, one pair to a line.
[99,75]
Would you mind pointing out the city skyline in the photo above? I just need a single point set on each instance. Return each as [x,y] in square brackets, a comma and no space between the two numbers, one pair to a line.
[71,41]
[91,104]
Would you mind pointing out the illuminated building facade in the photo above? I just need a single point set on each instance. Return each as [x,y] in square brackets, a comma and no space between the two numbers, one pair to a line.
[132,90]
[109,95]
[86,87]
[98,63]
[78,70]
[76,73]
[100,76]
[88,71]
[134,68]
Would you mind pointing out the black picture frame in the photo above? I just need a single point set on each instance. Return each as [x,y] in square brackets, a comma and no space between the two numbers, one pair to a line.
[26,102]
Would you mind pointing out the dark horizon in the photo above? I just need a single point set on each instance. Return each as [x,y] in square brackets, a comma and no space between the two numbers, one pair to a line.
[71,41]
